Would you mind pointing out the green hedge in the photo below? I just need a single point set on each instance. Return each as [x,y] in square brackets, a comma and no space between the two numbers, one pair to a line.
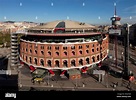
[4,37]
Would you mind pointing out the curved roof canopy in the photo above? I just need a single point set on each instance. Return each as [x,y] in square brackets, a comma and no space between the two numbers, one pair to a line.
[67,24]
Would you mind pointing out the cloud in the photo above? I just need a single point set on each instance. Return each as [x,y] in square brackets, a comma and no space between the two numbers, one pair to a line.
[131,9]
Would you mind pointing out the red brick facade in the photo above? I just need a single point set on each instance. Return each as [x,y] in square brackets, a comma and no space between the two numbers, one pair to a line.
[57,55]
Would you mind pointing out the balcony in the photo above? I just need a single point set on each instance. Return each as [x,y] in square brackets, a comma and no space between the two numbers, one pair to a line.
[14,47]
[13,39]
[14,54]
[14,43]
[14,36]
[14,50]
[14,61]
[14,58]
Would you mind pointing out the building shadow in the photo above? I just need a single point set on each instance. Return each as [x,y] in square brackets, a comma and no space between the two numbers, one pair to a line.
[3,63]
[8,82]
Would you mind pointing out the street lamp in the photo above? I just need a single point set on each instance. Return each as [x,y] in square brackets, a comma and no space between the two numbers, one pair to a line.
[48,77]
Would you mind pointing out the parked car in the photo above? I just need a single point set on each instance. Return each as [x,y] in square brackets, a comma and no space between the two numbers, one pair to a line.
[37,79]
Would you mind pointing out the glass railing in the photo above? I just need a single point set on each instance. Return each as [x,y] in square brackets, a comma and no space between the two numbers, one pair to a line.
[79,40]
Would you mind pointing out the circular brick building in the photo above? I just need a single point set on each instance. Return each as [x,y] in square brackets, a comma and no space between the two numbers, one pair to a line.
[67,46]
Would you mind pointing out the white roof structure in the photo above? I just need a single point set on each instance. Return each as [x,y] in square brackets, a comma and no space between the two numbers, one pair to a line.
[69,24]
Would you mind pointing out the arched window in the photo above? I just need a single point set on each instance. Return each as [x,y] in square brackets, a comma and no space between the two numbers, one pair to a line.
[64,48]
[93,59]
[87,61]
[80,52]
[42,52]
[57,53]
[87,51]
[65,63]
[49,63]
[97,49]
[35,51]
[65,53]
[73,53]
[98,57]
[26,58]
[57,48]
[92,50]
[42,62]
[42,47]
[49,53]
[35,61]
[30,59]
[49,47]
[56,63]
[80,47]
[30,51]
[73,63]
[81,62]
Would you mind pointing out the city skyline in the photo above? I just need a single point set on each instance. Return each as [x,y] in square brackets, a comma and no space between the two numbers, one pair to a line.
[88,11]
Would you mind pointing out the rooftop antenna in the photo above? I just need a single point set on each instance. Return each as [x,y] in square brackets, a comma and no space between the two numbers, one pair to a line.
[115,19]
[115,26]
[115,13]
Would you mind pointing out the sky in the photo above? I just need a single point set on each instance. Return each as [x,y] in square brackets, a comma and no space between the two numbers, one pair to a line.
[88,11]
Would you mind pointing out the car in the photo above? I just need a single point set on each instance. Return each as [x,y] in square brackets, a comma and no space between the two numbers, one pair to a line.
[37,79]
